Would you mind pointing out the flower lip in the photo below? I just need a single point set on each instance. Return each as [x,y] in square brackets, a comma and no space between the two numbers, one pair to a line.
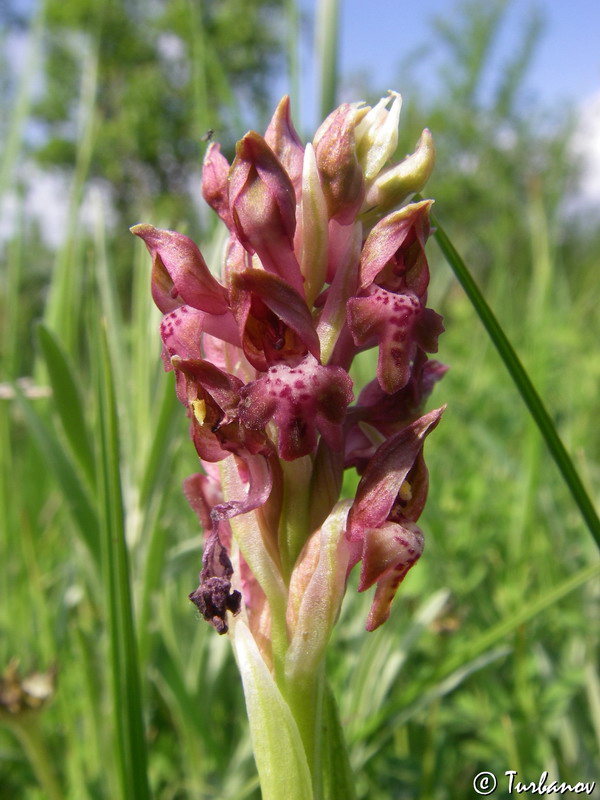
[302,400]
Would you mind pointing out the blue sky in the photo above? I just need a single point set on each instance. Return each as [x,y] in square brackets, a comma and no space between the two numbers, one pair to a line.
[375,35]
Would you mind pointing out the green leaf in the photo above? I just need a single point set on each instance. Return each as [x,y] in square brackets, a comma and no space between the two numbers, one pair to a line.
[67,399]
[60,464]
[338,780]
[278,749]
[126,685]
[326,30]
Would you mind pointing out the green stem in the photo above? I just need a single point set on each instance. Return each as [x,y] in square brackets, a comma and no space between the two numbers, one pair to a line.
[522,381]
[293,59]
[26,729]
[327,50]
[305,698]
[294,517]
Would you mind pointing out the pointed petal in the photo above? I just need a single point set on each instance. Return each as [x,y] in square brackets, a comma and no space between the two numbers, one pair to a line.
[263,206]
[215,189]
[392,186]
[386,472]
[186,267]
[346,243]
[283,140]
[312,237]
[341,174]
[398,243]
[377,135]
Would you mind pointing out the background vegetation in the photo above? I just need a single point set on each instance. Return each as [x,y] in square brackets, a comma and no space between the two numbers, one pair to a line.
[489,661]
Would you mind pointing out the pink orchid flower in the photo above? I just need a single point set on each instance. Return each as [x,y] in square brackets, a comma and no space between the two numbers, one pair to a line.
[320,265]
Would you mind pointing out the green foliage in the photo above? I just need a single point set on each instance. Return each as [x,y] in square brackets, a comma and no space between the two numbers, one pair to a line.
[166,73]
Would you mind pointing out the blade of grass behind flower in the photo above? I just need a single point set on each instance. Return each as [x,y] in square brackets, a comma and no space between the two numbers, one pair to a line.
[198,65]
[156,418]
[18,115]
[63,305]
[153,493]
[115,328]
[67,397]
[76,495]
[385,657]
[338,779]
[522,381]
[326,35]
[126,684]
[10,346]
[292,53]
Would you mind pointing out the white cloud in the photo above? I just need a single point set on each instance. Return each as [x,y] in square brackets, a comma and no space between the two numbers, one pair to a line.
[46,202]
[586,145]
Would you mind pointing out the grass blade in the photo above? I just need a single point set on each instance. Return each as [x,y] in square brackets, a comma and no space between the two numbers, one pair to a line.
[327,26]
[17,116]
[292,54]
[67,399]
[126,683]
[61,311]
[74,491]
[522,381]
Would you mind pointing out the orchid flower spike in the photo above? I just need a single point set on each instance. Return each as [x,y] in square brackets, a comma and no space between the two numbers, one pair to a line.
[325,259]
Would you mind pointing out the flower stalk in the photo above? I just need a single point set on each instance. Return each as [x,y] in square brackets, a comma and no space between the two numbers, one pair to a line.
[321,264]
